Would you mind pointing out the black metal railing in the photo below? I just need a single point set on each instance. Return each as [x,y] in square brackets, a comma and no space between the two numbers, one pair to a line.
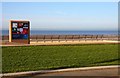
[38,38]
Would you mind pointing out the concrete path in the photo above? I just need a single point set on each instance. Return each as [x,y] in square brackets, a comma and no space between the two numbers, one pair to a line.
[85,71]
[98,72]
[60,43]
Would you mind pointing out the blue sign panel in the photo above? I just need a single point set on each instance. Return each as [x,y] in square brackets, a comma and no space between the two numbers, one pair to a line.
[20,30]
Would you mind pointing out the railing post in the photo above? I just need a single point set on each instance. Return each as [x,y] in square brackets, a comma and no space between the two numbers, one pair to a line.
[85,37]
[66,38]
[36,38]
[102,37]
[73,38]
[92,37]
[79,38]
[59,38]
[97,37]
[2,38]
[44,38]
[51,38]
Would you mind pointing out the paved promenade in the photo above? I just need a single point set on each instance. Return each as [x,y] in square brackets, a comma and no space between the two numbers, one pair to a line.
[96,72]
[60,43]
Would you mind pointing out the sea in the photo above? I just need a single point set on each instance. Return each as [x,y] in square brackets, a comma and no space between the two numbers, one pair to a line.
[60,32]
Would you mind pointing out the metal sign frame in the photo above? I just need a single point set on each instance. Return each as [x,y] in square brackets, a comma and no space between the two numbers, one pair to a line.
[20,39]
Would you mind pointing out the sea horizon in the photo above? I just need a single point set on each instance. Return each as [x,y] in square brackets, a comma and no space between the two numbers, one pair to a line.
[67,32]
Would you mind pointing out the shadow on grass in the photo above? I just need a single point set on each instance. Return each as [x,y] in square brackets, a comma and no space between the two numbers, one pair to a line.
[99,64]
[65,67]
[106,61]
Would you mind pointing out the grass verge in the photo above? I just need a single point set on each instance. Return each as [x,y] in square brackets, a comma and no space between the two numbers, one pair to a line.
[30,58]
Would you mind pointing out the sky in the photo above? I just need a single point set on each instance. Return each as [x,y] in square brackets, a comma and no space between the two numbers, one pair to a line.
[60,0]
[91,16]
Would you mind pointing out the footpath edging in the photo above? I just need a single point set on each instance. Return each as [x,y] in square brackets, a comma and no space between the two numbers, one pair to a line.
[59,70]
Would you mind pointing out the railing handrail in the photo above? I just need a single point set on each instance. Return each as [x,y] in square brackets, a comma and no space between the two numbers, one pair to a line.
[69,37]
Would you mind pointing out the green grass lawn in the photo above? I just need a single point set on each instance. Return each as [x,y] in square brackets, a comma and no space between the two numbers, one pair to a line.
[30,58]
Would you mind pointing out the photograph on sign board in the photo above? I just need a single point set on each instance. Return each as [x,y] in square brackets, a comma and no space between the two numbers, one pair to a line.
[19,30]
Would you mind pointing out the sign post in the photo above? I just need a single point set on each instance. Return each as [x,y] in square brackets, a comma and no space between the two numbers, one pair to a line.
[19,31]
